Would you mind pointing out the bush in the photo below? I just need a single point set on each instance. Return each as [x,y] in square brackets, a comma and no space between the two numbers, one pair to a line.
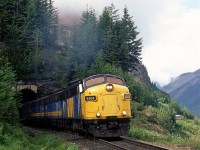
[166,117]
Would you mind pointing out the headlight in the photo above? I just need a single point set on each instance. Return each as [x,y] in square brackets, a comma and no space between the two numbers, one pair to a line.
[124,113]
[98,114]
[109,87]
[127,96]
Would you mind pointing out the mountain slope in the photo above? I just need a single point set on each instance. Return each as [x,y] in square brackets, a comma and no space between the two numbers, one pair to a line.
[141,74]
[186,89]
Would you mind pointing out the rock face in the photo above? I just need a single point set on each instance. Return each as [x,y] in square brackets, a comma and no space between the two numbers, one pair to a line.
[186,89]
[141,74]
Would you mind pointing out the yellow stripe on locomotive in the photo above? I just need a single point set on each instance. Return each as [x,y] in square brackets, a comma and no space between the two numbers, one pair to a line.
[70,104]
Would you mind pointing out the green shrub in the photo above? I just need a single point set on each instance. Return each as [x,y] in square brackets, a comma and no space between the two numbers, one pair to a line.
[197,121]
[166,117]
[187,113]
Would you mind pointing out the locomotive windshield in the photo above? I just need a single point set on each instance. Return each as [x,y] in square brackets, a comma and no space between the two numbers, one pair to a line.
[100,79]
[94,81]
[115,80]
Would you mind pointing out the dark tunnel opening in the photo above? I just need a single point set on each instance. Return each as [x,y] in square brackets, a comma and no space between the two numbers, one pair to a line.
[28,95]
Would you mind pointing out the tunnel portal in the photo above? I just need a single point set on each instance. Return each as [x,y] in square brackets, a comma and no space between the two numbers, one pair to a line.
[28,95]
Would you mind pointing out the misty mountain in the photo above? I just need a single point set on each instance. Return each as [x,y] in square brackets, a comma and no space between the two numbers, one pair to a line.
[157,85]
[186,89]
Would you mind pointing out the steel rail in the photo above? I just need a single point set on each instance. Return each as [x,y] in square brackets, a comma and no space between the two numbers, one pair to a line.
[111,145]
[143,144]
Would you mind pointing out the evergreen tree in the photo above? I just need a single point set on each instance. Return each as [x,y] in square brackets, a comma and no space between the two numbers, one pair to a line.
[88,36]
[85,42]
[49,22]
[131,46]
[40,34]
[109,32]
[105,22]
[113,12]
[8,103]
[28,28]
[12,19]
[120,44]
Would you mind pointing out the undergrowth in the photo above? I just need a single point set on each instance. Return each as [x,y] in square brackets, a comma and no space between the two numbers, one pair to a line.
[186,132]
[14,138]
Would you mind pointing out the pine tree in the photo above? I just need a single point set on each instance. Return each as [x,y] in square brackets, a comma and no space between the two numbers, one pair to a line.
[105,22]
[113,12]
[12,19]
[88,35]
[110,35]
[8,102]
[85,42]
[131,45]
[120,44]
[40,34]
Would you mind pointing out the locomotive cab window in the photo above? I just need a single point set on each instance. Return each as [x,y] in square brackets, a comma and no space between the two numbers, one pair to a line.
[94,81]
[115,80]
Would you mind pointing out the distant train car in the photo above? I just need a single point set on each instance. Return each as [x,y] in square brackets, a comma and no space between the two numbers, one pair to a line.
[99,105]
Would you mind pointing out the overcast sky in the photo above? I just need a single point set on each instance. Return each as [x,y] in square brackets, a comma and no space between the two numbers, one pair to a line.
[170,30]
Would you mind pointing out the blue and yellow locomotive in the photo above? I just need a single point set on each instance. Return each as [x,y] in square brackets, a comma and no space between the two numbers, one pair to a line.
[99,105]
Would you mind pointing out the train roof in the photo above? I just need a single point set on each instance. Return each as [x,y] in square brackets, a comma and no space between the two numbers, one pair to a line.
[102,75]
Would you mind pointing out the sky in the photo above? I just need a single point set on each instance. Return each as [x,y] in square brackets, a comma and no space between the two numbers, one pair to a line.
[170,30]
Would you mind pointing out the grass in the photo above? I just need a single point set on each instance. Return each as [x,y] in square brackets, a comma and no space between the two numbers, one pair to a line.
[13,137]
[186,133]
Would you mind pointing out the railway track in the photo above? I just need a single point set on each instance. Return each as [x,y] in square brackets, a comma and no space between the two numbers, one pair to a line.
[124,143]
[89,143]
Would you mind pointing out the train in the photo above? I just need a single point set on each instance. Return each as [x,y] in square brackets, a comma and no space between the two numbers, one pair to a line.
[98,105]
